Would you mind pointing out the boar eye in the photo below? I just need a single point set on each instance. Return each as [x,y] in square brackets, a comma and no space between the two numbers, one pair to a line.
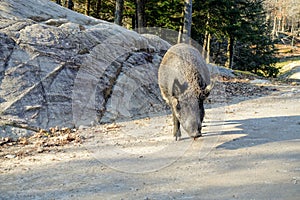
[178,107]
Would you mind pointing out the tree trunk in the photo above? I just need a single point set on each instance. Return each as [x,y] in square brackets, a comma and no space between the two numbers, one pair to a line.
[206,39]
[283,24]
[187,23]
[98,8]
[133,21]
[140,14]
[292,32]
[208,48]
[230,52]
[119,12]
[87,7]
[179,39]
[70,4]
[279,25]
[274,28]
[204,47]
[58,2]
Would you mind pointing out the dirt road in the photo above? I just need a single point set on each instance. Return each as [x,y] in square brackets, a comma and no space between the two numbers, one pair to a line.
[250,150]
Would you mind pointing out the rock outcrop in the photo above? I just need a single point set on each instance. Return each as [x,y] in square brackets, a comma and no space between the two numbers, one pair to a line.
[61,68]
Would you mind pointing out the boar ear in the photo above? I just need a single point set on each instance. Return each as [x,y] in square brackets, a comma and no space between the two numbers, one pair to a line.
[178,88]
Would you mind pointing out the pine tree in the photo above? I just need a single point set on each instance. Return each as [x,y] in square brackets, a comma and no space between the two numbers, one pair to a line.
[255,48]
[164,14]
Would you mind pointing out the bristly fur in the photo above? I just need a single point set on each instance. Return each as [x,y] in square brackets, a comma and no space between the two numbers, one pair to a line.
[183,79]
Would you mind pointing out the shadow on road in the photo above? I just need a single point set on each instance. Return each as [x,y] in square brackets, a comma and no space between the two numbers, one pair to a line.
[262,130]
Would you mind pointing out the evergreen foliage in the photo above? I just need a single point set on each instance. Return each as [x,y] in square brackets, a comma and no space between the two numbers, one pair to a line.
[254,48]
[239,34]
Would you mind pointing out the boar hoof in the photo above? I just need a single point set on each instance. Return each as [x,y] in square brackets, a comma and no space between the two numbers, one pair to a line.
[197,136]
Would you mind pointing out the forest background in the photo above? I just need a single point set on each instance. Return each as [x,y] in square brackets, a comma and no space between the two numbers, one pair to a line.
[238,34]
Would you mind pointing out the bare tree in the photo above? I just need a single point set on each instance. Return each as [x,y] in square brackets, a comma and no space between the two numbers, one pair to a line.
[285,15]
[119,12]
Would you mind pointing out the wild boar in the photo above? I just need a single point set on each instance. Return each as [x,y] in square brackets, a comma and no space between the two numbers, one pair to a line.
[184,82]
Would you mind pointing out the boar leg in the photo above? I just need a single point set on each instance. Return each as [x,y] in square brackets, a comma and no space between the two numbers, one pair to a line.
[202,111]
[176,128]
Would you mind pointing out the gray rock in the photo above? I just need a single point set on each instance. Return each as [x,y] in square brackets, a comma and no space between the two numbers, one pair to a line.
[41,11]
[14,132]
[61,68]
[136,93]
[220,71]
[156,42]
[56,22]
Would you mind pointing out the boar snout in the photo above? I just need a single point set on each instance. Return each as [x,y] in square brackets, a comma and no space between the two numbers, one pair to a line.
[196,134]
